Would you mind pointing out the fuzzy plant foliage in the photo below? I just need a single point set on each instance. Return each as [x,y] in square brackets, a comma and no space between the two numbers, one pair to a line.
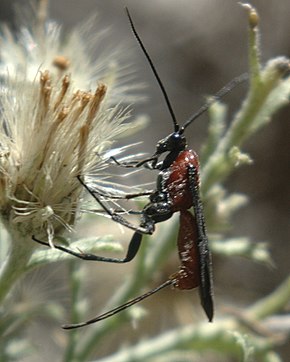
[60,117]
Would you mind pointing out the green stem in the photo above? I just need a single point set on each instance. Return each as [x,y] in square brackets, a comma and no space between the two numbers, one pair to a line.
[15,265]
[246,122]
[156,255]
[75,286]
[101,330]
[272,357]
[221,336]
[272,303]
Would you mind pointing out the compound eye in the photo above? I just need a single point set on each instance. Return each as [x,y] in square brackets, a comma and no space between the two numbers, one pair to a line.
[175,137]
[175,140]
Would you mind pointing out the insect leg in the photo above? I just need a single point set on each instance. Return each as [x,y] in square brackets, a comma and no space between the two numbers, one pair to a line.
[144,229]
[133,248]
[119,308]
[135,164]
[121,197]
[206,283]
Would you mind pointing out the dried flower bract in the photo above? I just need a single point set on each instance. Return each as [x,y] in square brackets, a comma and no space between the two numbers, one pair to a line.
[53,127]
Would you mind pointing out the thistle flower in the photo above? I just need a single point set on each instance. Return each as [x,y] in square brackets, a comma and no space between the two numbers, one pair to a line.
[53,127]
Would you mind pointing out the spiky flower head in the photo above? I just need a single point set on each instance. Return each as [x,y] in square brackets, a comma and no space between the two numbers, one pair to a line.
[53,127]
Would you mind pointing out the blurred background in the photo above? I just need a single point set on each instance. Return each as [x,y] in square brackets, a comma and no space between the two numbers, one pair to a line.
[197,47]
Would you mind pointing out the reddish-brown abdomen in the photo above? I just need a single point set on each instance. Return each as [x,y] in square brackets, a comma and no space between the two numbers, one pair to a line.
[178,182]
[188,276]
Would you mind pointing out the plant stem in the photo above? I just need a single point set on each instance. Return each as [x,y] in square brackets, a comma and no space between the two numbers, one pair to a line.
[156,254]
[15,265]
[75,286]
[220,337]
[272,303]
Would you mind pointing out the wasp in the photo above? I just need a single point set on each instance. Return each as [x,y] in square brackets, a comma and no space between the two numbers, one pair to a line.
[177,190]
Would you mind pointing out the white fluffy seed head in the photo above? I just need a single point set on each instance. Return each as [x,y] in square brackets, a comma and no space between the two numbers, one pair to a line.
[52,126]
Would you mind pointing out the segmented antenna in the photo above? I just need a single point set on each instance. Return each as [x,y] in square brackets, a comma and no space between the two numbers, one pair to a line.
[220,94]
[165,95]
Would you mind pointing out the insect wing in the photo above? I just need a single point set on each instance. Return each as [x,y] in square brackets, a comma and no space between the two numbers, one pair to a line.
[205,267]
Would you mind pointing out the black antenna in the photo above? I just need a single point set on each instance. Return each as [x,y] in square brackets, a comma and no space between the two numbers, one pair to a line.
[120,308]
[176,126]
[220,94]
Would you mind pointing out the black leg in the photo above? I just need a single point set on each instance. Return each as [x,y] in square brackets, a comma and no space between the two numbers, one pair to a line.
[135,164]
[133,248]
[131,164]
[116,211]
[124,197]
[145,229]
